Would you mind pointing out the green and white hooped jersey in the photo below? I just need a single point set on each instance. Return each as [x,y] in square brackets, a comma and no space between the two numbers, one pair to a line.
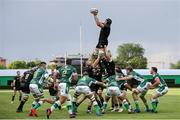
[112,81]
[137,76]
[162,81]
[39,77]
[66,73]
[85,81]
[120,82]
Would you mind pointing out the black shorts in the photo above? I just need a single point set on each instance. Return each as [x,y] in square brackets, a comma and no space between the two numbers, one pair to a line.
[17,87]
[102,44]
[25,89]
[95,88]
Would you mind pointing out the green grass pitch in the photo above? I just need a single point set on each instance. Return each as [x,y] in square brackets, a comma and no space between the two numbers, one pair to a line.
[169,108]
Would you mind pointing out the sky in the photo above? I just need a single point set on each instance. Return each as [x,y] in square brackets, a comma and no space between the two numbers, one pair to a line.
[44,29]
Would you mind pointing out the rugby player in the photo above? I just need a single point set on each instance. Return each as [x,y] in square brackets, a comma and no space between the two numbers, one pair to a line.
[162,88]
[83,87]
[25,82]
[104,32]
[36,87]
[16,87]
[67,74]
[141,89]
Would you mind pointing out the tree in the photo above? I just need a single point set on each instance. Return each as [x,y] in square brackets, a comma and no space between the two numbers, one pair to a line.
[17,65]
[175,66]
[2,67]
[131,54]
[31,64]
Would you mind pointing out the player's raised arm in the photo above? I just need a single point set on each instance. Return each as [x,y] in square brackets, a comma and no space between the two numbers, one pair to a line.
[99,23]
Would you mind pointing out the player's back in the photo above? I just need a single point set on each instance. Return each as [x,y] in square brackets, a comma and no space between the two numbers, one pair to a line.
[112,81]
[37,77]
[85,81]
[66,73]
[137,76]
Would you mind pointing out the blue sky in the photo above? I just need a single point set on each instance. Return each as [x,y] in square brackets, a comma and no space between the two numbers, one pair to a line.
[44,29]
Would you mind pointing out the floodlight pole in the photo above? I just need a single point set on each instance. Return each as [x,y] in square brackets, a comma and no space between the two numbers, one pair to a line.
[81,55]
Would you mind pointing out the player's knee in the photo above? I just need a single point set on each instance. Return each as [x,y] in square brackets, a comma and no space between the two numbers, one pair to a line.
[25,98]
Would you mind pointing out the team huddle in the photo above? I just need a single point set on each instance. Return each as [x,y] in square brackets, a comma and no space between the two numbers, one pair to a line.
[100,75]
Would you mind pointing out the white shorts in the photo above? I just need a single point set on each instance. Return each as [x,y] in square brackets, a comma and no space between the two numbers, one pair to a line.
[143,90]
[113,91]
[35,90]
[162,91]
[83,90]
[64,90]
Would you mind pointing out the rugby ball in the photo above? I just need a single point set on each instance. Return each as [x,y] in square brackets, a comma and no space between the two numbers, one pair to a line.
[94,10]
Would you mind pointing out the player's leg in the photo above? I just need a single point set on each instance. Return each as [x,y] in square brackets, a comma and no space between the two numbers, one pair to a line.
[14,94]
[25,97]
[69,106]
[75,98]
[86,91]
[20,94]
[59,102]
[135,93]
[154,98]
[114,104]
[37,94]
[100,94]
[142,96]
[123,98]
[81,100]
[108,95]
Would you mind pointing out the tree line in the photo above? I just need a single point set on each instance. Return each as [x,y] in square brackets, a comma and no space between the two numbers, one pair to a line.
[127,54]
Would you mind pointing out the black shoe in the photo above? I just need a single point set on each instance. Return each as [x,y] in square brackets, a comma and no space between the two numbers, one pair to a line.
[72,116]
[19,111]
[59,107]
[154,111]
[48,113]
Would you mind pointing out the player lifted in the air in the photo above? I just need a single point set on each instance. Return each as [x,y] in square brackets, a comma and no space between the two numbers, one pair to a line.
[105,29]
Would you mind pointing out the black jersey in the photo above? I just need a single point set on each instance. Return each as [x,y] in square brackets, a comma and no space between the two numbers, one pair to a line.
[26,79]
[104,33]
[103,37]
[95,73]
[17,81]
[52,91]
[109,67]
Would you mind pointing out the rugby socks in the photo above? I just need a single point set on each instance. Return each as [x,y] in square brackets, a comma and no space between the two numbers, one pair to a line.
[154,105]
[55,105]
[120,105]
[126,104]
[104,105]
[96,106]
[146,105]
[37,105]
[20,98]
[89,107]
[33,104]
[21,105]
[13,98]
[69,106]
[136,104]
